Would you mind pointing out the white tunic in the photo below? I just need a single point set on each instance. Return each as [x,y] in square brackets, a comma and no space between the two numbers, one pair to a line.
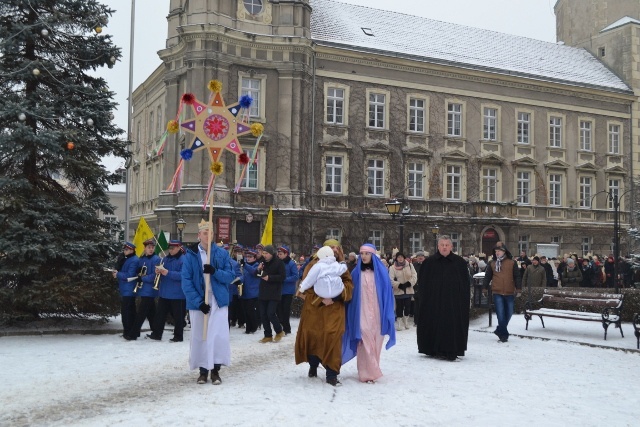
[216,349]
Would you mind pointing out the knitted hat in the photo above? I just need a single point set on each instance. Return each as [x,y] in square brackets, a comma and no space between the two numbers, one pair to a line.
[270,249]
[419,253]
[502,248]
[324,252]
[570,261]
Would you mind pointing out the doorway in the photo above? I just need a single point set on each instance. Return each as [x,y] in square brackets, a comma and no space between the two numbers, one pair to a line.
[248,233]
[489,239]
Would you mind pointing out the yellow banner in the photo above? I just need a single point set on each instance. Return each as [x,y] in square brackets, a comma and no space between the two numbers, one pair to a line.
[267,234]
[143,232]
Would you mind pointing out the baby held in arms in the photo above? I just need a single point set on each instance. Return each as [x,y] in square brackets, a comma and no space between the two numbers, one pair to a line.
[324,276]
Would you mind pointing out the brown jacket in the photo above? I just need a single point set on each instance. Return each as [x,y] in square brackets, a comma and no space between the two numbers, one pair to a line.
[506,281]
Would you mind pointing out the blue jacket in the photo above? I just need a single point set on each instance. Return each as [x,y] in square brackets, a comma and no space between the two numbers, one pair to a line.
[233,287]
[171,284]
[289,285]
[148,279]
[129,269]
[193,278]
[250,280]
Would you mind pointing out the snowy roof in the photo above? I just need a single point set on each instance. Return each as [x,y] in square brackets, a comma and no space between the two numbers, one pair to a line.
[346,26]
[620,22]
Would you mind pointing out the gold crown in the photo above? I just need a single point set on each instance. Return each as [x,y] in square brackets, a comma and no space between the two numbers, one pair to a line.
[204,225]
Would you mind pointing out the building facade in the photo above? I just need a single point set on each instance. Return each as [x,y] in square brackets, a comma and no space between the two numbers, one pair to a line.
[480,135]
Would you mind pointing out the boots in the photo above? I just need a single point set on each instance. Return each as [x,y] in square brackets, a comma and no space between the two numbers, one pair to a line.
[405,322]
[398,327]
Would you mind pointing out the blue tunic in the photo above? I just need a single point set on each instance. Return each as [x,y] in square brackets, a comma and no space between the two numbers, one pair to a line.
[148,279]
[193,278]
[171,284]
[129,269]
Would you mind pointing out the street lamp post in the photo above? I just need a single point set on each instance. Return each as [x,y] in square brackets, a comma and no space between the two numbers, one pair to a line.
[393,207]
[181,224]
[435,230]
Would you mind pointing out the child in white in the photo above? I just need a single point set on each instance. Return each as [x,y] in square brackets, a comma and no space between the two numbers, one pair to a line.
[324,276]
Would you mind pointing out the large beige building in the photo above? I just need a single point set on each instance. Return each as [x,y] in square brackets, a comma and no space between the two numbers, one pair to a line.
[481,135]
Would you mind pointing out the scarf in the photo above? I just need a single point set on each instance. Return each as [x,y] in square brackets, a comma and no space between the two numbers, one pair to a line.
[499,263]
[400,266]
[352,335]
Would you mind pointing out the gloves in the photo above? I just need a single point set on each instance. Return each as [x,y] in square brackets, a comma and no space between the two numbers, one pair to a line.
[407,285]
[209,269]
[205,308]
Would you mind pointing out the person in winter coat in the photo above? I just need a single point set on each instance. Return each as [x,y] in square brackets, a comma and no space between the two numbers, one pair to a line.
[444,289]
[213,351]
[272,274]
[506,283]
[571,276]
[535,275]
[587,274]
[370,315]
[325,276]
[250,291]
[126,267]
[147,306]
[236,317]
[609,272]
[548,270]
[403,278]
[171,298]
[288,288]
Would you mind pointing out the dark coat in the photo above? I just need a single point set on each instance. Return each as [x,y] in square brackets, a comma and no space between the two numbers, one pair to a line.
[443,321]
[271,289]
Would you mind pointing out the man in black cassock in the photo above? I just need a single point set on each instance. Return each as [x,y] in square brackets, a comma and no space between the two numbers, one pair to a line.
[444,289]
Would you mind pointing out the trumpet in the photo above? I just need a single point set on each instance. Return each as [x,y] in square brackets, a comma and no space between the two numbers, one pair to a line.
[156,282]
[143,272]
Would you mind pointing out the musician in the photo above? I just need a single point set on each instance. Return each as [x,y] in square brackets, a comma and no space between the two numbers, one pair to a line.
[171,298]
[126,266]
[215,351]
[147,306]
[236,315]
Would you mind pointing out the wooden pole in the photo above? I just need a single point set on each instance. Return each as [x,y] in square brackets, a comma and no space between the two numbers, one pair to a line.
[207,277]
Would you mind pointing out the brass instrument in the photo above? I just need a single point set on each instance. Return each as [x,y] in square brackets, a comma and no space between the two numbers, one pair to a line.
[156,282]
[143,272]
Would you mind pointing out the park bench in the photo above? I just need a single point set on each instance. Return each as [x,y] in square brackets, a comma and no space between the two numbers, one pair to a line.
[567,304]
[636,326]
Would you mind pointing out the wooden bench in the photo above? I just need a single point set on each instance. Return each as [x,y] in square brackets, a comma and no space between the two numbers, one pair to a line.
[554,301]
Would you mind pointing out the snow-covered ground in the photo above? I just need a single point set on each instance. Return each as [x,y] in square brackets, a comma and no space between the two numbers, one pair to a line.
[564,377]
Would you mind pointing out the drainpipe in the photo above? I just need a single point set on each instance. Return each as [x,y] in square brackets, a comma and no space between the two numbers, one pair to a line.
[313,142]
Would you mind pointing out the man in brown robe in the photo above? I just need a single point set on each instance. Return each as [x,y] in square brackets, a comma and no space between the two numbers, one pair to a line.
[319,337]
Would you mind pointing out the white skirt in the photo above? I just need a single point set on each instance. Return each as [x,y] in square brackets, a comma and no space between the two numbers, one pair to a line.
[216,349]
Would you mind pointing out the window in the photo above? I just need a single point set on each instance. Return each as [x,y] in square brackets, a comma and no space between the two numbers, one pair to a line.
[454,119]
[138,131]
[585,135]
[416,115]
[254,7]
[333,233]
[523,244]
[416,180]
[555,189]
[152,126]
[160,122]
[524,128]
[454,182]
[415,242]
[555,132]
[556,239]
[251,87]
[614,192]
[375,177]
[523,187]
[586,246]
[455,239]
[377,103]
[122,172]
[586,191]
[489,184]
[490,123]
[375,238]
[614,139]
[333,174]
[335,106]
[250,179]
[602,51]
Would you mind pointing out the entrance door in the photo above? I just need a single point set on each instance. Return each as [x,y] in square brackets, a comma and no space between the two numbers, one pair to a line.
[489,240]
[248,233]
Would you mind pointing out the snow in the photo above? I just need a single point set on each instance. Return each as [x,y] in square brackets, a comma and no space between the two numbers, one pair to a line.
[565,374]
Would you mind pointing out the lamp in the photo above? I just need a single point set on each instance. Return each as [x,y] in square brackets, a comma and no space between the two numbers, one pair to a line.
[393,207]
[181,224]
[435,230]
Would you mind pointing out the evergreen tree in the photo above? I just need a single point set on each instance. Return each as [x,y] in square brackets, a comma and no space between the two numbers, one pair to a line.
[55,126]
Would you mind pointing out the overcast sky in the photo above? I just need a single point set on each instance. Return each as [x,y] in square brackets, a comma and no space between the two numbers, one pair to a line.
[528,18]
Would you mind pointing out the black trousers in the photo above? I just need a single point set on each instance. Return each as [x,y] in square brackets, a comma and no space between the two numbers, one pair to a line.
[284,312]
[251,315]
[178,309]
[127,312]
[236,314]
[269,317]
[146,310]
[315,361]
[403,306]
